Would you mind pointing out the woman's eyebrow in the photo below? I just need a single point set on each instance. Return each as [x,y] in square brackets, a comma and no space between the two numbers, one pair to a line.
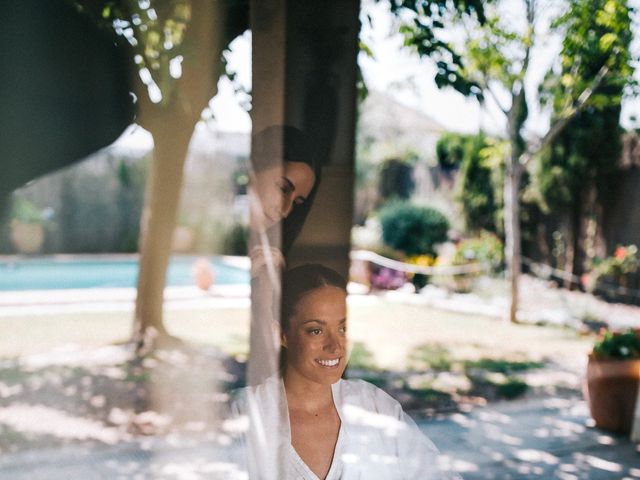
[321,322]
[290,185]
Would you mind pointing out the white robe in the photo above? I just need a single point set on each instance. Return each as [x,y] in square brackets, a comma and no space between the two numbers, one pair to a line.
[377,439]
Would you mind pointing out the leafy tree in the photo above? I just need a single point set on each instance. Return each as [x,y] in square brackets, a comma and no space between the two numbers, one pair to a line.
[396,180]
[412,229]
[477,179]
[176,49]
[452,149]
[494,62]
[578,164]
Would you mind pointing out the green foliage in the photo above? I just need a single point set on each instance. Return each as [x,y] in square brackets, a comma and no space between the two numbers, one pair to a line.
[487,377]
[617,270]
[596,34]
[495,58]
[429,357]
[412,229]
[424,27]
[501,365]
[479,181]
[623,261]
[361,358]
[512,388]
[618,345]
[236,240]
[155,32]
[452,149]
[487,249]
[25,211]
[396,180]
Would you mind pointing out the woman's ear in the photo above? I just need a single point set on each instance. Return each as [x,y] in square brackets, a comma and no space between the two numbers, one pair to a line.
[277,327]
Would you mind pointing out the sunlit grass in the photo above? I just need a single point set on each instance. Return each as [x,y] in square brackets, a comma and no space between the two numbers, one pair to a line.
[392,330]
[226,329]
[389,330]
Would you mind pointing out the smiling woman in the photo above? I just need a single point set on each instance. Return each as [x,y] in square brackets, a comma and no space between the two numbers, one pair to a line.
[308,423]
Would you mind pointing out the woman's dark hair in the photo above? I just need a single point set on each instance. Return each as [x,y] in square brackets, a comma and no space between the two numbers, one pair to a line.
[298,282]
[284,143]
[281,143]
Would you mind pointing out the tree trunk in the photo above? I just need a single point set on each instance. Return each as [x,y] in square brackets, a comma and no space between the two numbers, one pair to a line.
[514,166]
[157,224]
[576,259]
[512,231]
[171,123]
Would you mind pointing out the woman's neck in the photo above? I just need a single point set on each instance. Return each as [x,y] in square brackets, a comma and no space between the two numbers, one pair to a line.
[306,395]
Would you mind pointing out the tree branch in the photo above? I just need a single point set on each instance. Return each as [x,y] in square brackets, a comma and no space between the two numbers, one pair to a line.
[495,99]
[564,120]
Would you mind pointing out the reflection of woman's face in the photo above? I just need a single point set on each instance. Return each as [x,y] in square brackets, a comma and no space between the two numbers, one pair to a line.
[280,189]
[316,339]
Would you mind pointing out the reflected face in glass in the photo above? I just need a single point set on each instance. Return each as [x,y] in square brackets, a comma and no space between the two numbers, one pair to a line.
[316,339]
[279,190]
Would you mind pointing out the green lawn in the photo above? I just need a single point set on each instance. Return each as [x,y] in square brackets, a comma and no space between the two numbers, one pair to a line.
[388,329]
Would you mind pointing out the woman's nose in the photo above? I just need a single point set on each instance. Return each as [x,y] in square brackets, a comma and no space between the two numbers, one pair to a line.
[287,206]
[333,343]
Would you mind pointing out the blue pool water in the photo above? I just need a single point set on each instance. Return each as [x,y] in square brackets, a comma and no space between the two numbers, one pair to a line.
[53,274]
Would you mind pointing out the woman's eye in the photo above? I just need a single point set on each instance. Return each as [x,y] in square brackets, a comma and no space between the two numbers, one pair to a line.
[284,187]
[343,330]
[298,201]
[314,331]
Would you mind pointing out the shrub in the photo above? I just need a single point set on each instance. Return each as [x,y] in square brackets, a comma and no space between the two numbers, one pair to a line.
[512,388]
[613,345]
[396,180]
[235,240]
[486,249]
[612,275]
[24,211]
[451,149]
[420,280]
[412,229]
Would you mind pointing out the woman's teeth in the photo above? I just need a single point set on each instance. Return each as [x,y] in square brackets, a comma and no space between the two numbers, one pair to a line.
[329,363]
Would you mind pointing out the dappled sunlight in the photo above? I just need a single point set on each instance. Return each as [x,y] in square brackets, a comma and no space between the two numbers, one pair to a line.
[449,464]
[77,355]
[599,463]
[43,420]
[536,456]
[493,432]
[105,394]
[542,438]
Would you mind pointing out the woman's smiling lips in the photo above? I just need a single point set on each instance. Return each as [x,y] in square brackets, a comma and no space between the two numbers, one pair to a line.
[329,363]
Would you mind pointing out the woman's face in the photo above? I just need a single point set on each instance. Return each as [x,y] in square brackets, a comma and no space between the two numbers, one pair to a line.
[316,339]
[279,190]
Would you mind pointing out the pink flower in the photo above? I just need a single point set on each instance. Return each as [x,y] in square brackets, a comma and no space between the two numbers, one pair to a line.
[620,253]
[584,280]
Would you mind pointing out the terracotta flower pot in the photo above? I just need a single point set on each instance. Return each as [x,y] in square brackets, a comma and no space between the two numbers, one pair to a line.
[203,274]
[27,237]
[611,388]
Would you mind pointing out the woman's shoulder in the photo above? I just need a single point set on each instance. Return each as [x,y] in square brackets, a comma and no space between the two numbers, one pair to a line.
[362,393]
[261,394]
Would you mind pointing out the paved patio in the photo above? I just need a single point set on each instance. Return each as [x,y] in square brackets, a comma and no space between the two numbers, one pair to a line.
[541,438]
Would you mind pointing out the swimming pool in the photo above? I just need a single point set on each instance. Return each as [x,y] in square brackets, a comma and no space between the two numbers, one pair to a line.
[47,273]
